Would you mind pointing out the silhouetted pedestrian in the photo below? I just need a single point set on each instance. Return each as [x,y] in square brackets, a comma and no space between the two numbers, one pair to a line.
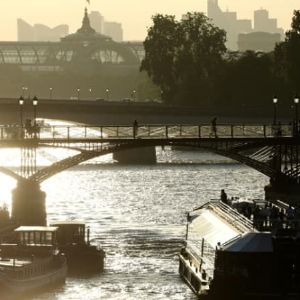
[135,128]
[224,198]
[214,127]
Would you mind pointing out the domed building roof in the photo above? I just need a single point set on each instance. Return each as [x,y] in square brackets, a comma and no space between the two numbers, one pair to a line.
[86,32]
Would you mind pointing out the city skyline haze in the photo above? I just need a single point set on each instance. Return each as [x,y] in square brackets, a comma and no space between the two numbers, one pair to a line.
[135,15]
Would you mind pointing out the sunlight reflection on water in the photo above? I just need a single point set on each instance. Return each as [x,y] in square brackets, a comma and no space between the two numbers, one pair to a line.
[137,213]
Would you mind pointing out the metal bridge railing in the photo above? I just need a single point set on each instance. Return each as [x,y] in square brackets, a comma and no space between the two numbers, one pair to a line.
[172,131]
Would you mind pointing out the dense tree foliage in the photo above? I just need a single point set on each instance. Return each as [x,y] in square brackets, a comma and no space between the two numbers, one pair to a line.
[188,61]
[287,56]
[183,58]
[247,81]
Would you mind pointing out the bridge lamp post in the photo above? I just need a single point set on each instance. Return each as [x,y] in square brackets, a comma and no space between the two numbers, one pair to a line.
[21,103]
[26,90]
[78,93]
[275,101]
[296,101]
[23,91]
[107,94]
[134,95]
[50,93]
[34,103]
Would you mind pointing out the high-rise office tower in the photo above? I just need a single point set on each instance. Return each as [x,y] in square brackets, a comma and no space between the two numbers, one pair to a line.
[114,30]
[233,26]
[96,20]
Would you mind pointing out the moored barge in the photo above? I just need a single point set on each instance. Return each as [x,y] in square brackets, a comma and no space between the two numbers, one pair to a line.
[74,241]
[32,264]
[228,257]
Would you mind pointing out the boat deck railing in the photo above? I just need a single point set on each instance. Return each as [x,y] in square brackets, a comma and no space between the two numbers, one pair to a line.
[205,257]
[232,216]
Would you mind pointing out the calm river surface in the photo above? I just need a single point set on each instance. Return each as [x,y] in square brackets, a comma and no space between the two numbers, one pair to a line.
[137,213]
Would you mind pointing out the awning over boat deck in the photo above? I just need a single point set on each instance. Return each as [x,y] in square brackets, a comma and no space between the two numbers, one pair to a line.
[36,228]
[212,228]
[251,242]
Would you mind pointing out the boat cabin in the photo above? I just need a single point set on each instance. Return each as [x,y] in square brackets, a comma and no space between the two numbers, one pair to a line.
[70,232]
[33,240]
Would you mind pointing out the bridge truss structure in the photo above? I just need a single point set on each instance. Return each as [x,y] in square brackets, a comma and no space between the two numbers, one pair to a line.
[269,149]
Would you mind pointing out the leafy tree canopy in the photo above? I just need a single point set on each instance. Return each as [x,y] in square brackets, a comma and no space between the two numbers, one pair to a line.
[183,57]
[287,55]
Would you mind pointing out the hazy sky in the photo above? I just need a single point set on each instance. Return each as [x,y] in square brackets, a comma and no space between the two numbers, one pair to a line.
[135,15]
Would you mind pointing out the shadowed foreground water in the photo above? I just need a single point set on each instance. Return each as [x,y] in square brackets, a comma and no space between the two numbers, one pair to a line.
[137,214]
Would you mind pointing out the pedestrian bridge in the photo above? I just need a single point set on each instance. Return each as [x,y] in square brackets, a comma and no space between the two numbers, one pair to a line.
[271,150]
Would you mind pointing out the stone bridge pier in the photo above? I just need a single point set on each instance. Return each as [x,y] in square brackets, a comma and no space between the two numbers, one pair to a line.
[28,204]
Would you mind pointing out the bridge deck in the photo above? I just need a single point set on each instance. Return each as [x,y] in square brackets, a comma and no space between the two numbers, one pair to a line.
[108,133]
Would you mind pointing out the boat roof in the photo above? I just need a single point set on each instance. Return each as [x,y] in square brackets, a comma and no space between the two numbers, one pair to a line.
[250,242]
[217,223]
[68,222]
[36,228]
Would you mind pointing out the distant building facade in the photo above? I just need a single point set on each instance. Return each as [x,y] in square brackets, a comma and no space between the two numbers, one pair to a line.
[40,32]
[262,23]
[111,29]
[229,22]
[85,59]
[239,28]
[258,41]
[97,21]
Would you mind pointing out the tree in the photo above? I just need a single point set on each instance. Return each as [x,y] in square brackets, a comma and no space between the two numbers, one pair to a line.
[183,58]
[247,81]
[287,56]
[160,46]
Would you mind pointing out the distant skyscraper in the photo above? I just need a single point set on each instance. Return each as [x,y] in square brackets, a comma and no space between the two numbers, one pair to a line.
[40,32]
[111,29]
[263,23]
[114,30]
[233,26]
[96,20]
[229,22]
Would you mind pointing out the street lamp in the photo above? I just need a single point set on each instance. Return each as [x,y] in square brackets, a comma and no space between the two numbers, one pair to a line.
[50,92]
[35,103]
[21,103]
[78,93]
[90,91]
[107,94]
[296,101]
[133,95]
[275,101]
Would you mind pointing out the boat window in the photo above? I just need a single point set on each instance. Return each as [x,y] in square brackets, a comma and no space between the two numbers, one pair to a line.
[31,238]
[26,237]
[48,238]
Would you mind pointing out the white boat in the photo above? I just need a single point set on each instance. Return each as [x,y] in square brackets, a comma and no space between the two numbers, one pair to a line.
[32,264]
[209,226]
[227,256]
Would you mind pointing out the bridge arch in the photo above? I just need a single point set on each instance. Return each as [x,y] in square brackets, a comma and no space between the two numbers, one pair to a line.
[10,173]
[84,155]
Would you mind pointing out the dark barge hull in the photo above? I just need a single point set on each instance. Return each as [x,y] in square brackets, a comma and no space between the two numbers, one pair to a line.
[83,259]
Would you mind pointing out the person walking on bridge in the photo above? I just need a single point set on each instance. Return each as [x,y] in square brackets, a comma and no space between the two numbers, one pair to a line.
[214,127]
[135,129]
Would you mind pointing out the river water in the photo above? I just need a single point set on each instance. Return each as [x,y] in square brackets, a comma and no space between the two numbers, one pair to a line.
[137,214]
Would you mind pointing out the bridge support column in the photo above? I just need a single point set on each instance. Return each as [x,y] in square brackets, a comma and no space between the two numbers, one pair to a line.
[286,192]
[28,204]
[144,155]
